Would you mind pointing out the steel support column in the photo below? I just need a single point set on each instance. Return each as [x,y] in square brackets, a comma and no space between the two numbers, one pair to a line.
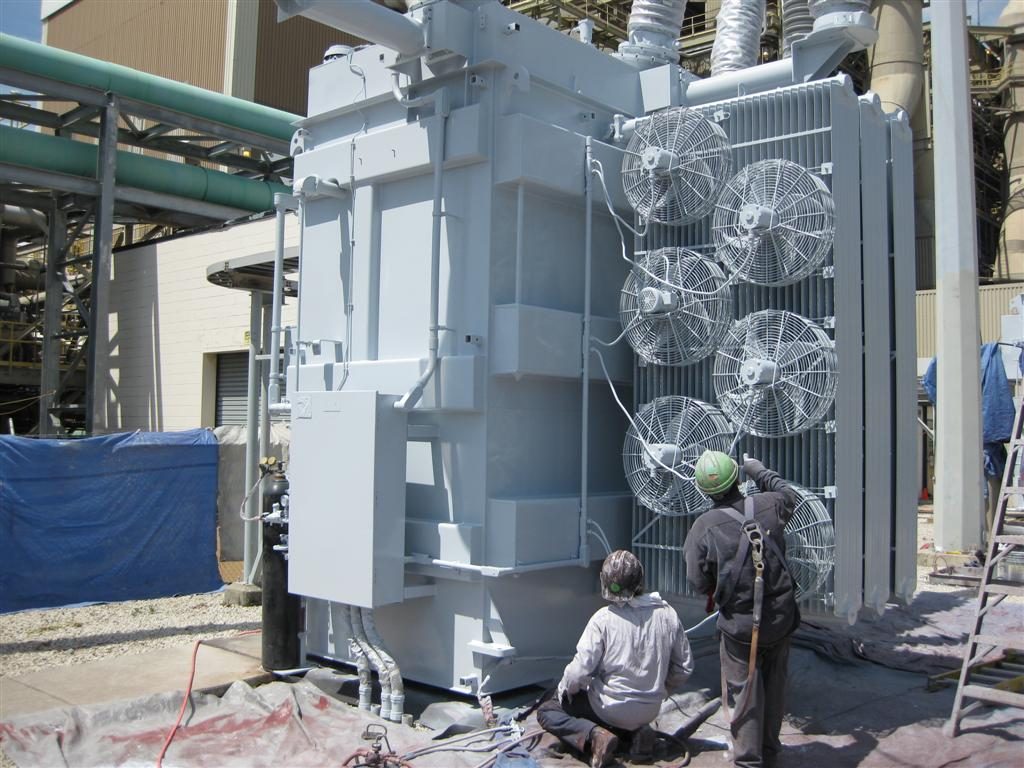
[958,460]
[103,237]
[49,422]
[251,541]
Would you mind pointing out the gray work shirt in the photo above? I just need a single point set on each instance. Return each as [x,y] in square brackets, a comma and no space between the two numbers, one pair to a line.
[630,656]
[711,549]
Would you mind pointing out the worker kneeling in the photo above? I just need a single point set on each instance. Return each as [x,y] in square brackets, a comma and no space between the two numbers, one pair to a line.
[736,553]
[631,655]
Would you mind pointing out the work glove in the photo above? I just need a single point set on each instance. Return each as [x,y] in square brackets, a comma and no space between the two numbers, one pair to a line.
[752,466]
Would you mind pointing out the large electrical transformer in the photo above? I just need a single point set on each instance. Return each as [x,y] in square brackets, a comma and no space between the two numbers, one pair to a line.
[536,281]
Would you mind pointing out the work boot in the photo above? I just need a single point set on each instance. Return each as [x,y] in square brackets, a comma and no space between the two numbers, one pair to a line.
[603,744]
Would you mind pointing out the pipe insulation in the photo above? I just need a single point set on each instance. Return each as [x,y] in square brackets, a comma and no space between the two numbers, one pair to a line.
[653,29]
[66,67]
[77,158]
[797,23]
[359,635]
[341,627]
[364,19]
[897,58]
[394,673]
[738,39]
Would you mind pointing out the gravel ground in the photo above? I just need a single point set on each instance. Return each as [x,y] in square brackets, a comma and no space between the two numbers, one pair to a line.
[34,640]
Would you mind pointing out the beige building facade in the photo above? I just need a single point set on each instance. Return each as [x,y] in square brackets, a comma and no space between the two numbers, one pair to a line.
[235,47]
[169,326]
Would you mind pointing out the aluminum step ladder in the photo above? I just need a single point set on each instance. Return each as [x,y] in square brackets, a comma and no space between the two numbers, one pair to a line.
[1005,539]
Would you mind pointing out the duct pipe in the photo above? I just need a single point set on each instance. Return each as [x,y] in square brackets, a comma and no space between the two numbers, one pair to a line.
[66,67]
[25,218]
[1011,240]
[394,673]
[440,100]
[653,29]
[372,652]
[363,18]
[737,43]
[897,68]
[282,204]
[797,23]
[77,158]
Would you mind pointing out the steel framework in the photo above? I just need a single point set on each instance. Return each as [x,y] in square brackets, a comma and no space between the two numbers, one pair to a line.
[84,212]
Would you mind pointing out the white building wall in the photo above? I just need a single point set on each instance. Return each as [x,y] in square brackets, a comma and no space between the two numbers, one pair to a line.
[167,323]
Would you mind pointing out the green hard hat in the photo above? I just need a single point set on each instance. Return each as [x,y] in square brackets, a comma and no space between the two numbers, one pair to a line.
[716,472]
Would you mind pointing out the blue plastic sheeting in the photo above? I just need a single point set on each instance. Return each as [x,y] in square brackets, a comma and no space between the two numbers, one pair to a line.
[119,517]
[997,409]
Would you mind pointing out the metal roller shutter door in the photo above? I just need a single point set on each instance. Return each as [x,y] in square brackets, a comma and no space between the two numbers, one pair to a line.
[232,388]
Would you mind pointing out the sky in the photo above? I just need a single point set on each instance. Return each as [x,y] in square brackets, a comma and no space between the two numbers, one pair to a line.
[21,17]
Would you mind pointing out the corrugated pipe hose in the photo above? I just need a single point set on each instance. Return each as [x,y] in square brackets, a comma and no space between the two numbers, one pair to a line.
[738,40]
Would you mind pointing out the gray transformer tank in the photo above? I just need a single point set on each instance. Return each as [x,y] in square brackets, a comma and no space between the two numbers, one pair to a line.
[457,520]
[441,426]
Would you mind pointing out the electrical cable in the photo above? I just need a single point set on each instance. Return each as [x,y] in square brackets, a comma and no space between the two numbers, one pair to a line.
[702,622]
[525,737]
[28,402]
[248,495]
[619,223]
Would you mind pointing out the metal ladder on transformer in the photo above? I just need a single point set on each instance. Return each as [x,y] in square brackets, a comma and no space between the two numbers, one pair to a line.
[1006,538]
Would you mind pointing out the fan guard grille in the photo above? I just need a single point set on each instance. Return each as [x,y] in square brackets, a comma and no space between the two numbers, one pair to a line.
[775,374]
[678,430]
[774,223]
[680,317]
[810,541]
[675,165]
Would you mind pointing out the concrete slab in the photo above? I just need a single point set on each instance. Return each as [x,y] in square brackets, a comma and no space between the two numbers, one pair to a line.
[16,698]
[219,663]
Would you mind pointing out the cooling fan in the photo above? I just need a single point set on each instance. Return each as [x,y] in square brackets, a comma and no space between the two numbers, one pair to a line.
[774,223]
[674,307]
[675,165]
[662,446]
[810,541]
[775,374]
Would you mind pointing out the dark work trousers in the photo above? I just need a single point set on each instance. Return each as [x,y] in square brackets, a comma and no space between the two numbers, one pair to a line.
[756,725]
[572,720]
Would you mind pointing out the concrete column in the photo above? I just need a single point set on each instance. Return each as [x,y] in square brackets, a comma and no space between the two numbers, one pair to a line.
[958,482]
[49,381]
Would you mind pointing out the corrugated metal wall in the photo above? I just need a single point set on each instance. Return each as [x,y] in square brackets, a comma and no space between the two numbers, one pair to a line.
[183,39]
[993,303]
[284,54]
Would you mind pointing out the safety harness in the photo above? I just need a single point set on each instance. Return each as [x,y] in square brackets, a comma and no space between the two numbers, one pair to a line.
[752,540]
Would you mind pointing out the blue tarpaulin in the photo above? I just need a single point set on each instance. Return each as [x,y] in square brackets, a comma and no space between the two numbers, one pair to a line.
[997,409]
[119,517]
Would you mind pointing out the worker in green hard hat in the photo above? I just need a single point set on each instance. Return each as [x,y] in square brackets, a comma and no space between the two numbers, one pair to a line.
[736,554]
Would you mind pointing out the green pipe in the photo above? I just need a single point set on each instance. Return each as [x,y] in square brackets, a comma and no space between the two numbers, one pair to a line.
[76,158]
[66,67]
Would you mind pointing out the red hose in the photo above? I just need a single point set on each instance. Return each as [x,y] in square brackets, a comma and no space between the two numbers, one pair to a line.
[187,696]
[181,711]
